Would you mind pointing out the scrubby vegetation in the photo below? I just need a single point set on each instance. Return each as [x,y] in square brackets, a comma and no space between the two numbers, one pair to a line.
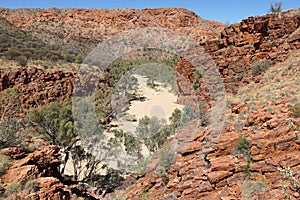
[12,189]
[22,47]
[131,143]
[198,73]
[31,186]
[243,145]
[54,122]
[295,111]
[9,125]
[260,66]
[4,163]
[122,65]
[166,154]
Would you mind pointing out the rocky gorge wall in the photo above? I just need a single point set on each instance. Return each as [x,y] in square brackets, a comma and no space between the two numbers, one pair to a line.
[269,37]
[219,172]
[37,87]
[222,172]
[266,37]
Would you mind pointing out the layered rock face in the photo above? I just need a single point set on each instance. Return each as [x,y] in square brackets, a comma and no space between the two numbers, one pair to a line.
[37,87]
[40,168]
[270,36]
[220,172]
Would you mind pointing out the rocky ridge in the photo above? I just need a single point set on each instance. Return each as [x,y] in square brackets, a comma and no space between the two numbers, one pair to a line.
[269,37]
[260,112]
[67,26]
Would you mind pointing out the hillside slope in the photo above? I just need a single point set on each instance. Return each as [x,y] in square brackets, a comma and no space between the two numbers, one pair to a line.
[84,28]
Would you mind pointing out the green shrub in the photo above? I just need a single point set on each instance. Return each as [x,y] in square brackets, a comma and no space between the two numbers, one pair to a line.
[260,66]
[198,74]
[13,189]
[295,111]
[8,132]
[12,53]
[151,130]
[141,166]
[22,60]
[175,120]
[132,144]
[243,144]
[130,118]
[54,122]
[31,186]
[4,163]
[166,157]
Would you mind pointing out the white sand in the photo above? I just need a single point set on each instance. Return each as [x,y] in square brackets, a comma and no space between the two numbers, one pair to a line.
[160,102]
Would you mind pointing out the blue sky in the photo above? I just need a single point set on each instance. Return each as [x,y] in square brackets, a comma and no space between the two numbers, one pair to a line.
[220,10]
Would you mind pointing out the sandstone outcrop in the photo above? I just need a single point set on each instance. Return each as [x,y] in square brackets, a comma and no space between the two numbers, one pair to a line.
[40,167]
[270,37]
[220,173]
[37,87]
[44,162]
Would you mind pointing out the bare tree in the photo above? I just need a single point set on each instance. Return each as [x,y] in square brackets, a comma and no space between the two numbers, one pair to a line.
[276,7]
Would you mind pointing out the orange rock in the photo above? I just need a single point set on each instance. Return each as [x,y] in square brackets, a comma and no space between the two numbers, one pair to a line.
[217,176]
[20,175]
